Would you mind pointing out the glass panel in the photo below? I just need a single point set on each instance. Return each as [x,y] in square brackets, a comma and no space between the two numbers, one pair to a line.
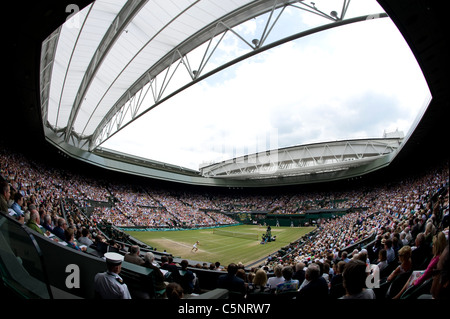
[20,264]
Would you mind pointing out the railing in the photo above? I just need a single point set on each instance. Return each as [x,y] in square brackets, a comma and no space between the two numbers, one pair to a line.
[34,266]
[21,265]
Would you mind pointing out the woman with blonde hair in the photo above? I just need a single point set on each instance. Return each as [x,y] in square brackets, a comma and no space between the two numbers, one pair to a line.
[404,256]
[439,244]
[278,278]
[259,283]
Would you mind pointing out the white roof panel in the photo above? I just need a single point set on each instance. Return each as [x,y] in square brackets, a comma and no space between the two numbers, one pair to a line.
[105,58]
[142,44]
[152,32]
[77,44]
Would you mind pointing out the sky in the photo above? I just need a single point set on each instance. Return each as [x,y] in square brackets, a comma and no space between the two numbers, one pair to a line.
[355,81]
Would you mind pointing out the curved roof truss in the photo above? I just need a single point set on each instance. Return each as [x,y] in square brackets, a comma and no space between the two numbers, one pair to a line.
[319,158]
[119,59]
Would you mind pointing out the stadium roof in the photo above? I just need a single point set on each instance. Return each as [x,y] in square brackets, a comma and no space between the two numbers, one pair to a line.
[93,85]
[314,161]
[98,68]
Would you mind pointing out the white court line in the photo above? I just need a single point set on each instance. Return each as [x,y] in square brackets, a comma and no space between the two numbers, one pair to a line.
[184,245]
[178,243]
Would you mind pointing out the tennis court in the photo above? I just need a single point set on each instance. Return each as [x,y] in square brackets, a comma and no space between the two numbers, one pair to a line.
[224,247]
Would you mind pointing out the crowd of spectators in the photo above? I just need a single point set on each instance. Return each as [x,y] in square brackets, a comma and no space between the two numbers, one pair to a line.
[410,213]
[409,222]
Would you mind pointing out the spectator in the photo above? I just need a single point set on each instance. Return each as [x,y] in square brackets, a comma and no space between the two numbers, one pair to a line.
[230,281]
[5,193]
[299,273]
[60,228]
[172,269]
[445,219]
[355,253]
[390,253]
[354,280]
[382,260]
[174,291]
[33,222]
[408,236]
[391,209]
[101,245]
[315,286]
[326,272]
[344,256]
[42,214]
[377,246]
[396,243]
[158,277]
[440,288]
[187,277]
[109,285]
[113,246]
[363,255]
[416,228]
[259,283]
[404,255]
[17,206]
[337,289]
[133,256]
[69,233]
[430,231]
[420,253]
[84,238]
[243,275]
[289,284]
[171,262]
[403,239]
[329,260]
[439,244]
[277,278]
[48,225]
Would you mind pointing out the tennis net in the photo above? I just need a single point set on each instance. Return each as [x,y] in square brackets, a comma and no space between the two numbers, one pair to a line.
[222,232]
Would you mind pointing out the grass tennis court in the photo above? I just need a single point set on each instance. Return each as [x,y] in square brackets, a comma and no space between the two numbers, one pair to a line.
[215,247]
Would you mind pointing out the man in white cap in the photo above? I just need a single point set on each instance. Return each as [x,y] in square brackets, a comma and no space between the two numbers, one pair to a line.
[109,285]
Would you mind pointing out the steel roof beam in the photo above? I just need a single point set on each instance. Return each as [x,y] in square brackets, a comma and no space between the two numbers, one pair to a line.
[129,10]
[224,24]
[98,137]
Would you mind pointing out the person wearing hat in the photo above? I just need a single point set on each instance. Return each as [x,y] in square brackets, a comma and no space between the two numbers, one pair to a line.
[109,285]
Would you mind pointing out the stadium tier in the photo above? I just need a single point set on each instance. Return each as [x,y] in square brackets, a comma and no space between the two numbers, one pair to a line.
[45,199]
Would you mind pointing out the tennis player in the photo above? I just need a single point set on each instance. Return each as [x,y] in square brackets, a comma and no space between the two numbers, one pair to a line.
[194,247]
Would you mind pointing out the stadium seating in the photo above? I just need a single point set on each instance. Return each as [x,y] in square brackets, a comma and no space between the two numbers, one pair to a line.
[43,275]
[139,280]
[17,268]
[415,292]
[397,284]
